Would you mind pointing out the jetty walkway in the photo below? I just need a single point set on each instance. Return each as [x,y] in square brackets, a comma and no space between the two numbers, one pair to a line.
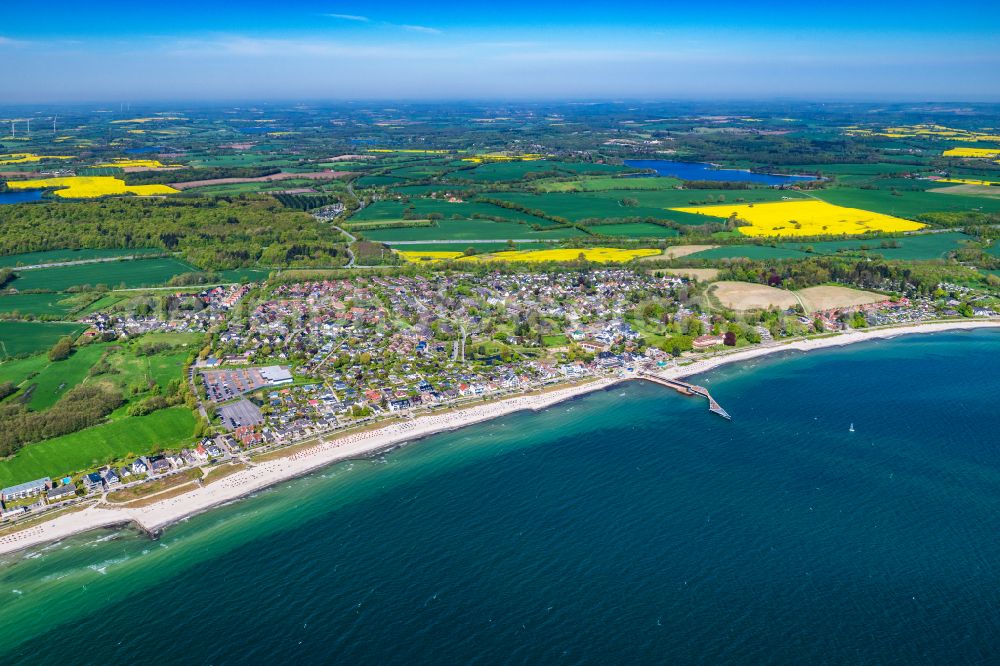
[687,389]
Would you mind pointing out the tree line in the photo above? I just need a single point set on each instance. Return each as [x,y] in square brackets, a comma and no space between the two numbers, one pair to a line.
[213,234]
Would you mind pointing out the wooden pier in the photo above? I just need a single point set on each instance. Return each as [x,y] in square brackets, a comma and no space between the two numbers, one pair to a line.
[687,389]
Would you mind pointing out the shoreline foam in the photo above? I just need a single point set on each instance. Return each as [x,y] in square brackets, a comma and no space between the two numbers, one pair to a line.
[155,517]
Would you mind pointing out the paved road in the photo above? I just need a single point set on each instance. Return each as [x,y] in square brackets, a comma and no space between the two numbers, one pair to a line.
[351,239]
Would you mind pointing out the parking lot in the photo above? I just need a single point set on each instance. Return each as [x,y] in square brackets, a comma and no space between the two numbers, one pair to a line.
[241,413]
[224,385]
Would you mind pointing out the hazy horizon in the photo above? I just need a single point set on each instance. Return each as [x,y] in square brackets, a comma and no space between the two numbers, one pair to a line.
[395,51]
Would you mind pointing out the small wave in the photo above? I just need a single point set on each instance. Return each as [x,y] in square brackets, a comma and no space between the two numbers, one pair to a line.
[102,568]
[17,592]
[109,537]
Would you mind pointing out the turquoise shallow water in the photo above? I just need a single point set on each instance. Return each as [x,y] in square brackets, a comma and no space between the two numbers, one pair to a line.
[627,526]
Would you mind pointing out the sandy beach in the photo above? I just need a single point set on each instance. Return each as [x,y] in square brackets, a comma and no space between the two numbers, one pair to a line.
[155,517]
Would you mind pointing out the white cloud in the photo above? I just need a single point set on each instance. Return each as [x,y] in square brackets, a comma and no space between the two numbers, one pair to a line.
[350,17]
[243,46]
[422,29]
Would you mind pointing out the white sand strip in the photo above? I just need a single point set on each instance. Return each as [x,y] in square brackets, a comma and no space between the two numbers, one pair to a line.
[156,516]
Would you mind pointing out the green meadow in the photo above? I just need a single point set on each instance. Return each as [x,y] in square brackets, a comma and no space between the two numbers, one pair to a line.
[17,370]
[495,172]
[137,273]
[923,247]
[38,304]
[755,252]
[577,206]
[28,337]
[244,275]
[87,448]
[906,203]
[55,379]
[603,184]
[244,160]
[52,256]
[471,230]
[377,181]
[861,169]
[422,208]
[633,230]
[497,246]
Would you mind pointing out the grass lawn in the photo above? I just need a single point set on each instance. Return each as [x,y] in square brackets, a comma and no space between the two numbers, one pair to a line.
[854,169]
[17,370]
[375,181]
[95,446]
[245,274]
[139,273]
[576,206]
[38,304]
[633,230]
[159,369]
[470,230]
[50,256]
[907,204]
[55,379]
[588,205]
[750,252]
[604,183]
[29,337]
[103,303]
[393,210]
[498,246]
[243,160]
[920,247]
[495,172]
[555,340]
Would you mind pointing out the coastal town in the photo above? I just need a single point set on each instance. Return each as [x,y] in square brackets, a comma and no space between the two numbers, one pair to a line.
[538,333]
[303,361]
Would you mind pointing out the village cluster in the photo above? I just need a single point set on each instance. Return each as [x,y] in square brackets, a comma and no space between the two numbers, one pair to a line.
[185,310]
[312,357]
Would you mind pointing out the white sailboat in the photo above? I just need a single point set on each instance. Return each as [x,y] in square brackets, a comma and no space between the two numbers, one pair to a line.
[851,429]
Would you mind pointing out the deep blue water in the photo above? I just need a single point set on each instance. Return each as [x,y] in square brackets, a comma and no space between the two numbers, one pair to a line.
[20,196]
[630,526]
[143,150]
[704,171]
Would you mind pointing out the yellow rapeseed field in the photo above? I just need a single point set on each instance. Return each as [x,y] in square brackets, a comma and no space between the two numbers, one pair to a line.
[971,152]
[23,158]
[923,131]
[89,187]
[124,163]
[504,157]
[596,254]
[967,181]
[417,257]
[805,218]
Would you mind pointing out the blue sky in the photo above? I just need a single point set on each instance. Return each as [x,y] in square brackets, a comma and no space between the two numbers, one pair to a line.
[68,52]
